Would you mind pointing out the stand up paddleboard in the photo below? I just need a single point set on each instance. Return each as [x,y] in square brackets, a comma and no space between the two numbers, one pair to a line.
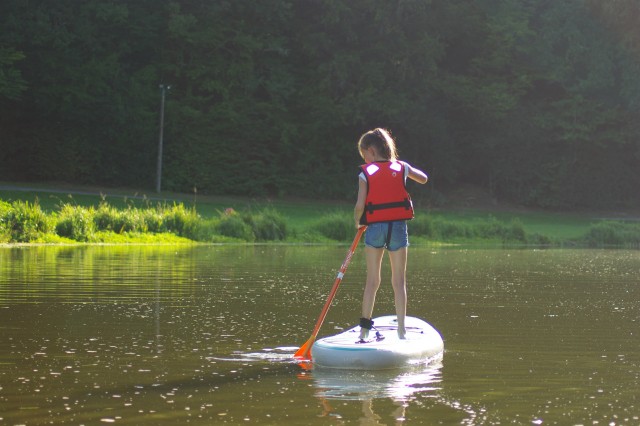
[383,349]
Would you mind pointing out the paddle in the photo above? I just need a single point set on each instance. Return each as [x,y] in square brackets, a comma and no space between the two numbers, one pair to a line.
[304,353]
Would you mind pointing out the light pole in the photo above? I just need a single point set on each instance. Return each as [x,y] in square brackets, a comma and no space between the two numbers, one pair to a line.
[163,89]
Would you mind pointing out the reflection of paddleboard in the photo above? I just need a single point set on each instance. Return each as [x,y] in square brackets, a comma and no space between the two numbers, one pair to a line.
[397,384]
[422,343]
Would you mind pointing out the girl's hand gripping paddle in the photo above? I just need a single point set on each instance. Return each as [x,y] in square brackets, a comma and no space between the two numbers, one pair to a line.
[304,353]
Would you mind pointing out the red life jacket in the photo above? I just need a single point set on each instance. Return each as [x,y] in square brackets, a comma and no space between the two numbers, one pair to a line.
[387,197]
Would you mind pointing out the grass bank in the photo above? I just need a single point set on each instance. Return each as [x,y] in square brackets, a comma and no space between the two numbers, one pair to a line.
[52,215]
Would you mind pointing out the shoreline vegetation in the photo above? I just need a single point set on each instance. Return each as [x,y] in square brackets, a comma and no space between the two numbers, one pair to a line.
[37,217]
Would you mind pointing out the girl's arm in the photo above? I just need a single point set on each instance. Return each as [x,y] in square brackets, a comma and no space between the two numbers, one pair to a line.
[417,174]
[362,196]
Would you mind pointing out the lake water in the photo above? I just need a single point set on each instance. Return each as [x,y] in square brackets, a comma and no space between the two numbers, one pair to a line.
[205,335]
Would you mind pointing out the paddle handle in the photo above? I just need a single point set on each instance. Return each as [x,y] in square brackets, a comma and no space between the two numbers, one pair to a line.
[304,351]
[338,280]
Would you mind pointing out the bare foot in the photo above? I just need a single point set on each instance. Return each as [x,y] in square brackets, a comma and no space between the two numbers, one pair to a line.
[401,334]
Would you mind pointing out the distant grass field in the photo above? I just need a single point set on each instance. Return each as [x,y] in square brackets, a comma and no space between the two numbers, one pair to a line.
[444,225]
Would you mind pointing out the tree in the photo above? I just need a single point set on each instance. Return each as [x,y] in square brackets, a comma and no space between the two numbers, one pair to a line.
[536,101]
[12,85]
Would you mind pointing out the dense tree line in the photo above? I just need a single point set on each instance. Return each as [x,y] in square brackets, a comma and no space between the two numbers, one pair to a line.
[537,101]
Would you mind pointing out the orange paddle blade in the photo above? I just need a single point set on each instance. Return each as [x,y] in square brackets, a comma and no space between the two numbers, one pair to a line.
[304,353]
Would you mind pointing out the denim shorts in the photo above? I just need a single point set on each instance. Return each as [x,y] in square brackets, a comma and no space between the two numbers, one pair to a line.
[389,235]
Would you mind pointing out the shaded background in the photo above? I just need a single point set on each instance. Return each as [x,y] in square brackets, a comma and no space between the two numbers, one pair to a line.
[534,101]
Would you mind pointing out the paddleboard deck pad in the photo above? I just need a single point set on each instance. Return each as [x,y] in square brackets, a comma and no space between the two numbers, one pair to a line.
[383,349]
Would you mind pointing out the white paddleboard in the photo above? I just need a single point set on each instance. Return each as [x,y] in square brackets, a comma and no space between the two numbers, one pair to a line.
[422,344]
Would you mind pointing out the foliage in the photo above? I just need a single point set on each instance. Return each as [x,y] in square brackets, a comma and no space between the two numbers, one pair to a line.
[535,101]
[613,233]
[233,226]
[480,229]
[11,82]
[5,235]
[180,220]
[267,225]
[336,226]
[109,218]
[25,222]
[75,223]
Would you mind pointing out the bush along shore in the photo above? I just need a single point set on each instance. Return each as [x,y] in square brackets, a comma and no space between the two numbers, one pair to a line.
[25,222]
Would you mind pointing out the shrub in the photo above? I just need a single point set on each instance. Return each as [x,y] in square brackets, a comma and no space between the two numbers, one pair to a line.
[153,220]
[133,220]
[539,239]
[179,220]
[336,226]
[4,209]
[205,230]
[107,218]
[75,222]
[5,235]
[515,232]
[234,226]
[490,228]
[422,226]
[26,222]
[613,233]
[452,230]
[268,225]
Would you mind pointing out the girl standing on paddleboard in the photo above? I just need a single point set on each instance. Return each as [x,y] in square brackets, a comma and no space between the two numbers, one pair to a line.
[384,206]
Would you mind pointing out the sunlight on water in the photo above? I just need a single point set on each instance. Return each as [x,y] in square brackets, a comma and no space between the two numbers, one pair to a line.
[206,334]
[282,354]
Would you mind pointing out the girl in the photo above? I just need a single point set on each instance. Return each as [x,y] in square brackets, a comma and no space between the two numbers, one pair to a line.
[384,206]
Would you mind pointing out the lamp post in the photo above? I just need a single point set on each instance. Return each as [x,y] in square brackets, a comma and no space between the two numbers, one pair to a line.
[163,89]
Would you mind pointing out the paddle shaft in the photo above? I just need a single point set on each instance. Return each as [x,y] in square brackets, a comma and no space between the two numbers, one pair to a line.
[304,351]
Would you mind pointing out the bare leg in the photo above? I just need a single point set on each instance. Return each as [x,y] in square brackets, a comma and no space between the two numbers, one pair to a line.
[374,264]
[399,282]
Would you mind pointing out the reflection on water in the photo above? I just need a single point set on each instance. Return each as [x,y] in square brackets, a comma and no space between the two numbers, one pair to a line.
[205,334]
[399,385]
[401,391]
